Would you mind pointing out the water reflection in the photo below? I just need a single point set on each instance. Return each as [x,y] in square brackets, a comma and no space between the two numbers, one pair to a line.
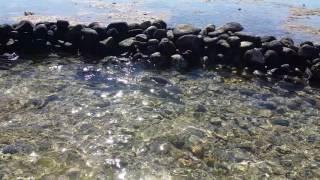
[141,124]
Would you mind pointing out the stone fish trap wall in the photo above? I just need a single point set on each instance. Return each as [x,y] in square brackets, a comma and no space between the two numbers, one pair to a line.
[160,47]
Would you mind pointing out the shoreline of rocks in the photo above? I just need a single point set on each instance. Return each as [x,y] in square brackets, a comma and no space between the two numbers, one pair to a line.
[158,46]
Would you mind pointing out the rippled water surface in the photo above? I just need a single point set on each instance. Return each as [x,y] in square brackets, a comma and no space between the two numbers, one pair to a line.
[64,119]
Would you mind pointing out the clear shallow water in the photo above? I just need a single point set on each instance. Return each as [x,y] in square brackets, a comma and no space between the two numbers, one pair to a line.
[72,120]
[261,17]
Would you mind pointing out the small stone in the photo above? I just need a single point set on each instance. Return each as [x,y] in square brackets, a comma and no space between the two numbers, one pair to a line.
[216,121]
[246,45]
[201,108]
[9,149]
[280,122]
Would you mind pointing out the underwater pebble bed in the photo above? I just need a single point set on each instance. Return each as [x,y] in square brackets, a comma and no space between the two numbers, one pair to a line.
[65,119]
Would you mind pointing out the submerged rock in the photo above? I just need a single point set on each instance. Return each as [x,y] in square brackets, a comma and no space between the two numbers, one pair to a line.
[10,149]
[280,122]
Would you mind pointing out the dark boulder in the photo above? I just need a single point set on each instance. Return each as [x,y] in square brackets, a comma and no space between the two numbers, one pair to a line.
[246,45]
[121,27]
[159,34]
[287,42]
[40,31]
[315,69]
[90,39]
[308,51]
[222,46]
[224,36]
[232,26]
[254,58]
[151,46]
[144,25]
[24,27]
[273,45]
[210,42]
[157,60]
[234,41]
[153,42]
[167,47]
[107,47]
[179,62]
[216,33]
[307,43]
[209,28]
[127,44]
[132,26]
[5,31]
[272,58]
[170,34]
[265,39]
[150,31]
[113,32]
[134,32]
[102,31]
[74,35]
[289,56]
[108,43]
[190,42]
[142,38]
[250,38]
[185,29]
[62,25]
[160,24]
[39,45]
[94,24]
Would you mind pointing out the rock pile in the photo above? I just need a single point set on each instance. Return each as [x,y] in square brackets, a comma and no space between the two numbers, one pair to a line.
[159,46]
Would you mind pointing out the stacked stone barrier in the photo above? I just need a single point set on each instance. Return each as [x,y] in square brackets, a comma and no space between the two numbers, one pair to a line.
[158,46]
